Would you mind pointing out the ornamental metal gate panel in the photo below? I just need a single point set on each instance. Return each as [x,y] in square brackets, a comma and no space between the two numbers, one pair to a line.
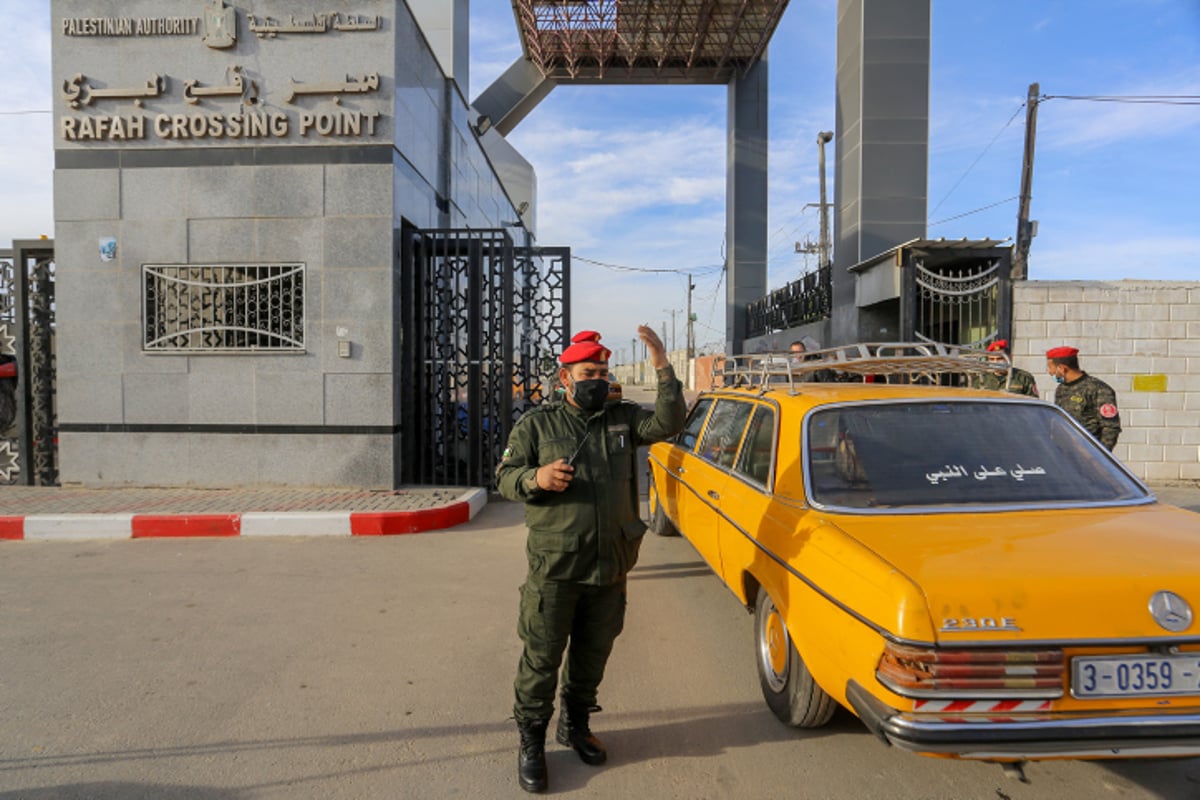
[482,322]
[957,305]
[28,416]
[961,297]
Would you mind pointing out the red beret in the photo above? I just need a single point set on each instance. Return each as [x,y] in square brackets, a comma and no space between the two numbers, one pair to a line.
[1062,352]
[8,370]
[585,346]
[999,344]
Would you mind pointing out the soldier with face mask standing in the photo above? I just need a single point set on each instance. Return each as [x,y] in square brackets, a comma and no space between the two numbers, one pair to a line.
[572,463]
[1089,400]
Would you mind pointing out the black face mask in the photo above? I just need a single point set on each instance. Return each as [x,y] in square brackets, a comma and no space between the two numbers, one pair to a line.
[590,395]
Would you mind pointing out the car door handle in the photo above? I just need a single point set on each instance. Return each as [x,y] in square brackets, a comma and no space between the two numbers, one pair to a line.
[713,495]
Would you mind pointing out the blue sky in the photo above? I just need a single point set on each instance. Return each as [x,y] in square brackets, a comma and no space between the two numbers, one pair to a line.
[635,176]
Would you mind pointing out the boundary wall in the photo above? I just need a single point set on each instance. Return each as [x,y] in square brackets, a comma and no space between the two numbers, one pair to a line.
[1140,337]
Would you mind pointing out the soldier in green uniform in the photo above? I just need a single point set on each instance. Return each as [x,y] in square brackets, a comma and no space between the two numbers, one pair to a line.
[1021,382]
[1089,400]
[573,464]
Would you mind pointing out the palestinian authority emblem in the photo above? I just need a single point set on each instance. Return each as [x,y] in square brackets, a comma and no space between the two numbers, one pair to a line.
[220,25]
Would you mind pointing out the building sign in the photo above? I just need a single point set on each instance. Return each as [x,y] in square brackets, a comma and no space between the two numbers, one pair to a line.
[130,26]
[282,89]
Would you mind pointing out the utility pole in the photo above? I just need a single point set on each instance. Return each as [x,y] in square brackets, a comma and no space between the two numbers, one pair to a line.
[691,333]
[823,246]
[823,138]
[672,312]
[1026,229]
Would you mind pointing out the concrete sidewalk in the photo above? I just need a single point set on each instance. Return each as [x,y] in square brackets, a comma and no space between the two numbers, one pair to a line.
[51,512]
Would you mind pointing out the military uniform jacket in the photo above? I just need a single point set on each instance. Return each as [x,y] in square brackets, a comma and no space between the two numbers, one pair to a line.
[591,532]
[1020,383]
[1094,403]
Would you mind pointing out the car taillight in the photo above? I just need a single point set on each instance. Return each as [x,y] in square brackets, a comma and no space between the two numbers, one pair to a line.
[938,672]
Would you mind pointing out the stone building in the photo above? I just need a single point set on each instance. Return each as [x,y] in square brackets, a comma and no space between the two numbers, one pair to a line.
[232,183]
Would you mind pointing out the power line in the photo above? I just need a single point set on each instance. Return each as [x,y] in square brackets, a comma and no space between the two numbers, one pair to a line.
[625,268]
[1147,99]
[976,211]
[963,177]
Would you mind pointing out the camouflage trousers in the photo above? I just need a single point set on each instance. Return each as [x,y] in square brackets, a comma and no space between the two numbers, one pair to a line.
[557,617]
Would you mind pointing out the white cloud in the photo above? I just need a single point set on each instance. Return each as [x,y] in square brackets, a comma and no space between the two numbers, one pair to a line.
[599,184]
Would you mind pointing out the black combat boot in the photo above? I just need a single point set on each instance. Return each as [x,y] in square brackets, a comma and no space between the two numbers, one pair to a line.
[531,759]
[573,731]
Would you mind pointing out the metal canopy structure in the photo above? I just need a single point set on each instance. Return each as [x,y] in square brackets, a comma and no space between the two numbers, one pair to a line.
[646,41]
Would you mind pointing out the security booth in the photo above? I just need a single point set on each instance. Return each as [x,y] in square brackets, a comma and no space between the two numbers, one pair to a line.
[936,290]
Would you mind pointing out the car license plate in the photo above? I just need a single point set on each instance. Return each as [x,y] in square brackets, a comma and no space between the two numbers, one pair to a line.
[1135,676]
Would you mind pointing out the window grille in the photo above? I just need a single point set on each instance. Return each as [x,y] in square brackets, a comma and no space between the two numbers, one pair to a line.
[221,308]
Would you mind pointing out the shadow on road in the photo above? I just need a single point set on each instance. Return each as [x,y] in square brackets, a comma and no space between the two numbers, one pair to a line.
[688,569]
[700,732]
[121,790]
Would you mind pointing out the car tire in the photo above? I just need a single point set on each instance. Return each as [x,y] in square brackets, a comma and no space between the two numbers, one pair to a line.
[788,687]
[660,523]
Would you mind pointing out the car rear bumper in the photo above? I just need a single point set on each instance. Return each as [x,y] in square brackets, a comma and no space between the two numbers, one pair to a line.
[1031,737]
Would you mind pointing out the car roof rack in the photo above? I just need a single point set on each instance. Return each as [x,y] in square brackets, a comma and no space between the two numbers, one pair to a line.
[896,362]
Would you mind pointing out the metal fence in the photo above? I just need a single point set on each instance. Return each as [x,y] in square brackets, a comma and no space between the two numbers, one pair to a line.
[808,299]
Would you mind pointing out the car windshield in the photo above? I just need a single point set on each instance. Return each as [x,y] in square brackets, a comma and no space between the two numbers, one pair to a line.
[896,455]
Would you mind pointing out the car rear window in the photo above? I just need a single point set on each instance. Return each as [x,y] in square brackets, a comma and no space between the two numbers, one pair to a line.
[889,455]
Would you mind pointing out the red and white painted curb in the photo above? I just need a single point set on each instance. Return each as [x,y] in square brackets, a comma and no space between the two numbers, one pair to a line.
[68,527]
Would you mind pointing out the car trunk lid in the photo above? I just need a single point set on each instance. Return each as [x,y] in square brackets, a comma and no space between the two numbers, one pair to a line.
[1063,574]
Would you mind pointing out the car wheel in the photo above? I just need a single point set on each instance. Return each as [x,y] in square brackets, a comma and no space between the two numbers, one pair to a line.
[660,523]
[789,689]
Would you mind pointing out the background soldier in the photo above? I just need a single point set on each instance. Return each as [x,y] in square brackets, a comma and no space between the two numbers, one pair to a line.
[573,465]
[1021,382]
[1089,400]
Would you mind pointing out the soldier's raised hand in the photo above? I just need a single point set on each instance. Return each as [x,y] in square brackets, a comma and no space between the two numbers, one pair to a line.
[654,347]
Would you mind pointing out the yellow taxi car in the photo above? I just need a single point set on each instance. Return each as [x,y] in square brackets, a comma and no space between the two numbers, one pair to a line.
[969,572]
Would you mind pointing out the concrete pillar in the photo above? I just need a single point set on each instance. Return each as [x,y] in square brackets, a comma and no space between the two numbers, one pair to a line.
[745,200]
[882,144]
[447,27]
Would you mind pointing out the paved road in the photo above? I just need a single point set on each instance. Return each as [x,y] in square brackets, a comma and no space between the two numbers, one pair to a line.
[381,668]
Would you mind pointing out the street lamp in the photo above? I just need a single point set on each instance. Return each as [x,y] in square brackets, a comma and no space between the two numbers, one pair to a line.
[823,138]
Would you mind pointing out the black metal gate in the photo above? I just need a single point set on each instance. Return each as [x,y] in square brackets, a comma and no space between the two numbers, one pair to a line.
[482,323]
[28,418]
[956,294]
